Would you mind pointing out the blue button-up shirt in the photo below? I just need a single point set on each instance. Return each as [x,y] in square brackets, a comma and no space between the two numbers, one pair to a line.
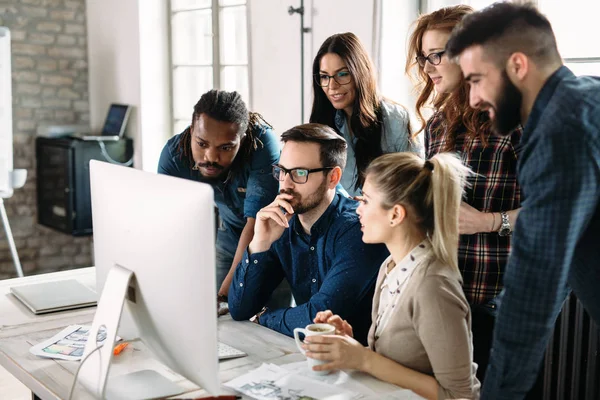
[555,242]
[395,137]
[243,196]
[330,269]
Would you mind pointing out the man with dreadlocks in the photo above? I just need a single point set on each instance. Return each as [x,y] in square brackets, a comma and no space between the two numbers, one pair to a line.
[232,150]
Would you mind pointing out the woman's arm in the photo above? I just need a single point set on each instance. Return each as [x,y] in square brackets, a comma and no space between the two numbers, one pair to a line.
[343,352]
[473,221]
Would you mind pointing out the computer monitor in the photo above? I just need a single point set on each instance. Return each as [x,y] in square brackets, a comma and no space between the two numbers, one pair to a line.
[161,230]
[116,120]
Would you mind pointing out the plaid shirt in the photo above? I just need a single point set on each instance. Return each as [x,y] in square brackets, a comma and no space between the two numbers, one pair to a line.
[482,257]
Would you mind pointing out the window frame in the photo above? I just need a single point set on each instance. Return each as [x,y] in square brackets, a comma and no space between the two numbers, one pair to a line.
[216,65]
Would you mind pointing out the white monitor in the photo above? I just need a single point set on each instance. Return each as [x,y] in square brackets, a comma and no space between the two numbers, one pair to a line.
[159,232]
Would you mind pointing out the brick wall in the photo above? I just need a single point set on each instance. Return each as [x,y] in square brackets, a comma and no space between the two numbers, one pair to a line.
[50,86]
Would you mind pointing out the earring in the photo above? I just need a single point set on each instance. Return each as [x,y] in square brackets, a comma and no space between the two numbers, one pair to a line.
[391,222]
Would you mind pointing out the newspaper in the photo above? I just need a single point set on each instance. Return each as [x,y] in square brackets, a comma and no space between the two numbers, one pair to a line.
[272,382]
[67,344]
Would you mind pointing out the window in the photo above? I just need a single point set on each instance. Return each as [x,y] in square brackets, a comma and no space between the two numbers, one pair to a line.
[209,49]
[578,47]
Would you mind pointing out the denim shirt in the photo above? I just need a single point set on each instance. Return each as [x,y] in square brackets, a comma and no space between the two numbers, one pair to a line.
[395,137]
[250,190]
[330,269]
[555,241]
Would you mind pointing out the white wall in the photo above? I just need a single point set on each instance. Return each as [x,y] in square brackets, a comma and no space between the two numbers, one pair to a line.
[397,24]
[155,76]
[275,51]
[129,63]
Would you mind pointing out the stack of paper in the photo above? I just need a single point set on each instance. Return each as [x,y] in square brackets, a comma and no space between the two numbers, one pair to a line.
[270,381]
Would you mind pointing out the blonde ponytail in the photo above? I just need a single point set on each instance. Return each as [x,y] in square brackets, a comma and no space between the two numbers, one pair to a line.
[431,191]
[448,180]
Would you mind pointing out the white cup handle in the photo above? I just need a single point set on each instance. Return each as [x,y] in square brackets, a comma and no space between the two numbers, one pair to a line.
[297,338]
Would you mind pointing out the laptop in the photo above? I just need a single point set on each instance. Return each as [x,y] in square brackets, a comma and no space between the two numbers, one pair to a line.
[114,125]
[42,298]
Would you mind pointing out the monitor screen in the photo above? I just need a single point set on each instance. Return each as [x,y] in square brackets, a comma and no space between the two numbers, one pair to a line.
[116,120]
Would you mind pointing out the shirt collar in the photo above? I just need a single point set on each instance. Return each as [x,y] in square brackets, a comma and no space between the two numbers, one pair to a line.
[340,119]
[322,224]
[400,273]
[543,98]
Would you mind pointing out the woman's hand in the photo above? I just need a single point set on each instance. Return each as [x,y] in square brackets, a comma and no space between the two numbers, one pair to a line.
[471,220]
[340,352]
[342,327]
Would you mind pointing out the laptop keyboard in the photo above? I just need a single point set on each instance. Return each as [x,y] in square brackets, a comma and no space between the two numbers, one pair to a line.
[227,352]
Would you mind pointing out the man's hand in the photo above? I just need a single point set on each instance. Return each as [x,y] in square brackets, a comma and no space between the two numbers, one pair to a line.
[270,223]
[222,305]
[471,220]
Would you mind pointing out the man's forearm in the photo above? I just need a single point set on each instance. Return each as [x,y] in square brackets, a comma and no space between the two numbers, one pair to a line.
[245,239]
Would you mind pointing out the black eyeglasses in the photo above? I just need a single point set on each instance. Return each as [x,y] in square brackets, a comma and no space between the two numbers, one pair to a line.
[433,58]
[342,78]
[298,175]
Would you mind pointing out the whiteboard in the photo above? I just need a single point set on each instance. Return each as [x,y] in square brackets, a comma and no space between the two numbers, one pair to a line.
[6,123]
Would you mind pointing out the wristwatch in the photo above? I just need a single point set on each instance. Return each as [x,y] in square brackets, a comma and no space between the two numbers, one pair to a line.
[505,228]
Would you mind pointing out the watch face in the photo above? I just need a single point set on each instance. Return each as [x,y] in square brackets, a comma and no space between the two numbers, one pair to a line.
[504,232]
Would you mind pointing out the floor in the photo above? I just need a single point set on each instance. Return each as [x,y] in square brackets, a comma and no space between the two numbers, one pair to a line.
[11,388]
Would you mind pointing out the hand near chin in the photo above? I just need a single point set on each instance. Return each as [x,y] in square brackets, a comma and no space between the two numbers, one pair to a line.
[342,327]
[271,222]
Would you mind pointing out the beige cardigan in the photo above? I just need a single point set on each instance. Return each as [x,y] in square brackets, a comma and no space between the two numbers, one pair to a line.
[430,329]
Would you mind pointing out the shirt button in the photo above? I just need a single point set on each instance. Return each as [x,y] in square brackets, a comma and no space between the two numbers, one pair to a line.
[312,248]
[314,280]
[241,284]
[247,261]
[255,261]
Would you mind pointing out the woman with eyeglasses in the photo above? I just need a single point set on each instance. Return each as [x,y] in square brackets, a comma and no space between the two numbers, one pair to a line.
[420,335]
[347,100]
[492,201]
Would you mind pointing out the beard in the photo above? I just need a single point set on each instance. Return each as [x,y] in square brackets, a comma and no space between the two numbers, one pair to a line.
[508,108]
[311,202]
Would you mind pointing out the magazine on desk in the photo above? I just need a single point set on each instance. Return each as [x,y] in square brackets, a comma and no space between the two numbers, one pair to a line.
[67,344]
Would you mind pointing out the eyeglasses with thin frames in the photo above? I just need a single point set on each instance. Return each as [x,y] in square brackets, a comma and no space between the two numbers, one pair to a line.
[433,58]
[341,77]
[298,175]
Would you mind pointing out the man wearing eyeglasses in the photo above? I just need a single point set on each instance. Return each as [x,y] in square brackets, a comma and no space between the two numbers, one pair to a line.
[311,236]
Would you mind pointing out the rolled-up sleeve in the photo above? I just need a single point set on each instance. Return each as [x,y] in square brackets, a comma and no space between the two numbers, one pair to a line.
[166,163]
[262,187]
[254,280]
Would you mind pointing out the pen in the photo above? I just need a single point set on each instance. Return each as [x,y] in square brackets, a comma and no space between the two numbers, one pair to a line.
[119,348]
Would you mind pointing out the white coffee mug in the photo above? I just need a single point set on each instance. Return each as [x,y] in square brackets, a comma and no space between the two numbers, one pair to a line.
[313,330]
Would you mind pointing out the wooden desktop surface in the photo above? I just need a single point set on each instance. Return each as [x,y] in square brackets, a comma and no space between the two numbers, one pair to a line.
[51,379]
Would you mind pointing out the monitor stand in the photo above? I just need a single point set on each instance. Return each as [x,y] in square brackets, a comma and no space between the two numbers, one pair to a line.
[94,370]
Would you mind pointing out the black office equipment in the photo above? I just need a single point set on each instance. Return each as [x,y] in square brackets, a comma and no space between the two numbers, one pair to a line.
[63,179]
[572,362]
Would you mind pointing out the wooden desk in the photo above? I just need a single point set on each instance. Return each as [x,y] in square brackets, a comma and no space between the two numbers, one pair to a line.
[51,379]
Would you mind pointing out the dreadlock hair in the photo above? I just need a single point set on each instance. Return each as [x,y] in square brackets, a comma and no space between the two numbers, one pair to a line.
[226,107]
[366,121]
[458,115]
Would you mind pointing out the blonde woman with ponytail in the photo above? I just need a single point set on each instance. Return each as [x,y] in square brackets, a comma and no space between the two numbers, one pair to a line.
[420,337]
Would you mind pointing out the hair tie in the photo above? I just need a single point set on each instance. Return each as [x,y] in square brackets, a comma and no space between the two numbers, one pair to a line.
[428,165]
